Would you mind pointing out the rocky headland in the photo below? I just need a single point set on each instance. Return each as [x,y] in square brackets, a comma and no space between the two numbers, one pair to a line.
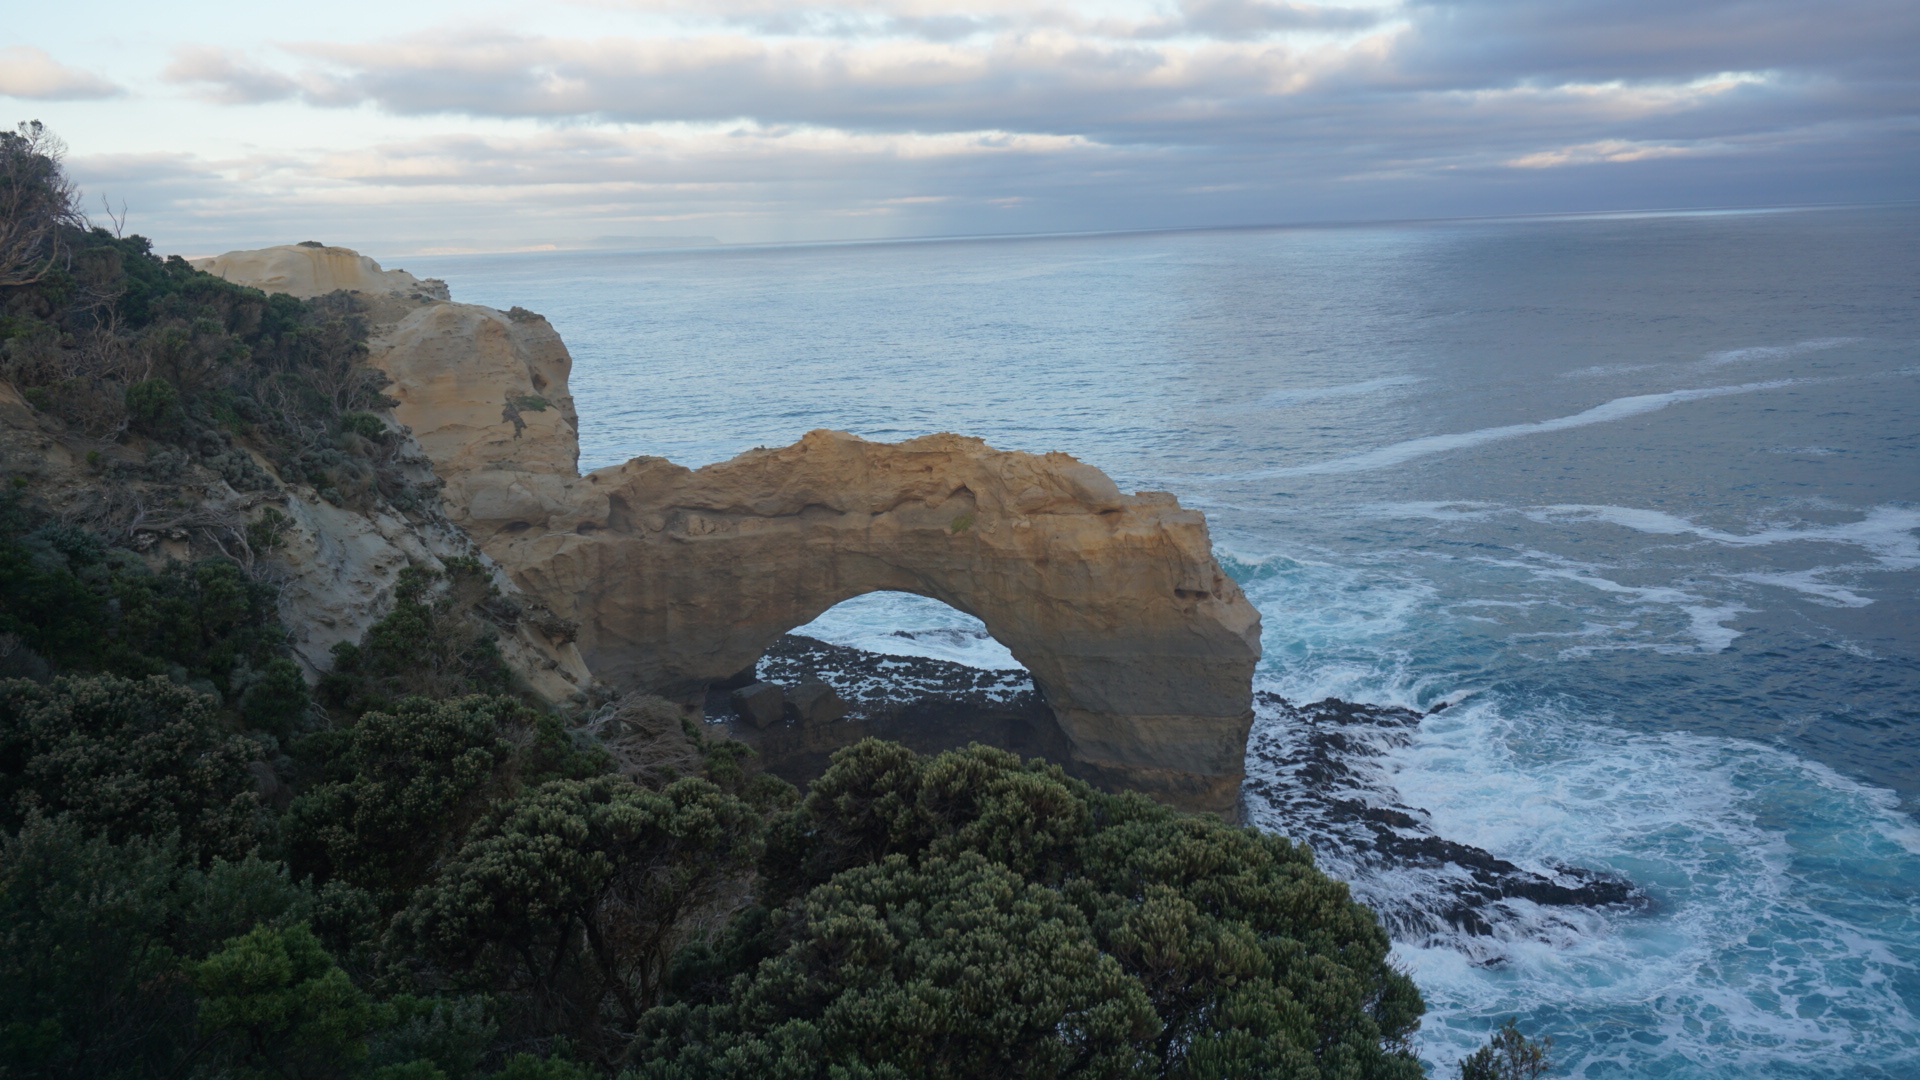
[674,581]
[648,586]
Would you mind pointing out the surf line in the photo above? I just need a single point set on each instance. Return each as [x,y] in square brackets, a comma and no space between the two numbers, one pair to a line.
[1617,409]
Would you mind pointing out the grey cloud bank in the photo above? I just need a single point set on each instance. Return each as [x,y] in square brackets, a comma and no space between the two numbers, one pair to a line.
[768,122]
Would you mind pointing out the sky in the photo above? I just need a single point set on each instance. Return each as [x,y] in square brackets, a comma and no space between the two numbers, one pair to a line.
[421,126]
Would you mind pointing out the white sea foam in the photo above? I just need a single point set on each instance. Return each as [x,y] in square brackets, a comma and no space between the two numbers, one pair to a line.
[1598,371]
[1284,397]
[1887,534]
[1885,531]
[1810,582]
[1706,617]
[902,624]
[1403,452]
[1764,950]
[1776,352]
[1326,626]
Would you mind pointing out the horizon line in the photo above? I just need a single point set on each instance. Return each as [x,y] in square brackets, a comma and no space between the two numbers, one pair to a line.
[940,238]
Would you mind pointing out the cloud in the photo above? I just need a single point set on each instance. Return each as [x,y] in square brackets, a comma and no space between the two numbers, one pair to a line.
[226,78]
[1640,40]
[27,72]
[1245,20]
[1229,20]
[1594,153]
[1039,82]
[991,115]
[1211,72]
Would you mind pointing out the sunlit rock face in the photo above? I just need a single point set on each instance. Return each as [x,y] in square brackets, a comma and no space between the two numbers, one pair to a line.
[484,391]
[311,269]
[679,578]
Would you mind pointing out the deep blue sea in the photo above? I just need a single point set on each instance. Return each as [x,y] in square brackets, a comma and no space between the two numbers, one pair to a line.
[1637,495]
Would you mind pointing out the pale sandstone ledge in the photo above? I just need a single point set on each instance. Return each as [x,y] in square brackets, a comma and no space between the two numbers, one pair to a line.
[311,269]
[678,578]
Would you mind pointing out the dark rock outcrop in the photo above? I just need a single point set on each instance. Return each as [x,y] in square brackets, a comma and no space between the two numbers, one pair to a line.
[1316,777]
[927,705]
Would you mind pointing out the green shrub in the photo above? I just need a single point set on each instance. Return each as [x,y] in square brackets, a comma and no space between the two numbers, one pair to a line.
[528,1067]
[426,646]
[949,969]
[276,1004]
[153,406]
[365,425]
[129,758]
[427,1036]
[403,787]
[574,896]
[96,940]
[1197,949]
[1508,1055]
[85,607]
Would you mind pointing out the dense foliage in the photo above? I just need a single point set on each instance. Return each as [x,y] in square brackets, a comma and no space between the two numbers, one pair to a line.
[116,341]
[971,915]
[412,874]
[426,646]
[70,600]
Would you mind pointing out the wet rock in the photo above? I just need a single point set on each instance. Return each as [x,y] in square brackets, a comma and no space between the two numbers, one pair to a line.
[1316,774]
[760,704]
[816,702]
[928,705]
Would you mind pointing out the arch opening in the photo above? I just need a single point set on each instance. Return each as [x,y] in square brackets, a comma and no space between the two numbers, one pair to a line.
[900,666]
[911,625]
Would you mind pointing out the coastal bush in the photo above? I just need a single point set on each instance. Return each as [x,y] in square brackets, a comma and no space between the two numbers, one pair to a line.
[572,898]
[119,343]
[1508,1055]
[273,1002]
[83,607]
[96,939]
[401,788]
[128,758]
[1178,946]
[39,206]
[428,645]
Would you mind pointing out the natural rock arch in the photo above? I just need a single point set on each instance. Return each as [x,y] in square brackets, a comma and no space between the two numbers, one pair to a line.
[673,578]
[1142,646]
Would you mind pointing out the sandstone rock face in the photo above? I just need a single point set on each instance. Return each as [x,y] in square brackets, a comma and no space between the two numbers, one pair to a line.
[483,391]
[310,270]
[679,578]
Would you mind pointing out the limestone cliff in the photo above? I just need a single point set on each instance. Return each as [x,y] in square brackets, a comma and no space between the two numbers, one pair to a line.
[311,269]
[1143,648]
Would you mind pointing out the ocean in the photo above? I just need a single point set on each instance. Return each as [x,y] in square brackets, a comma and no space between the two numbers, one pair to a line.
[1635,497]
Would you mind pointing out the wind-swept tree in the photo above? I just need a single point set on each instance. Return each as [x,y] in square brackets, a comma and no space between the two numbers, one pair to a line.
[37,203]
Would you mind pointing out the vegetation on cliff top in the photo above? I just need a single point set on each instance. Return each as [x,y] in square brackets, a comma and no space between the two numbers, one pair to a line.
[207,871]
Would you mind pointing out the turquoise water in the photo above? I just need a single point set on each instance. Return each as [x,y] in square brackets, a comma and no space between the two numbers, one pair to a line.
[1636,495]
